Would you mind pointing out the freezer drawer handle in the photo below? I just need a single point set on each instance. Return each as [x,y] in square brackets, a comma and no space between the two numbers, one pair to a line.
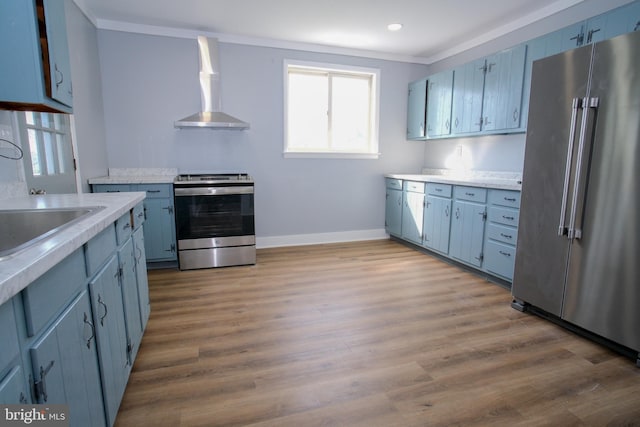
[576,104]
[587,105]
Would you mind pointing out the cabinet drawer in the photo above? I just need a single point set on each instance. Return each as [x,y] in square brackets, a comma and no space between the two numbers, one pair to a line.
[111,188]
[48,294]
[393,183]
[138,215]
[414,187]
[473,194]
[8,334]
[124,227]
[506,216]
[443,190]
[155,190]
[500,259]
[505,198]
[503,234]
[98,249]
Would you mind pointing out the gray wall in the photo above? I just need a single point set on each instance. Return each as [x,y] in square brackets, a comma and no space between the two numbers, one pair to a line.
[151,81]
[88,111]
[505,153]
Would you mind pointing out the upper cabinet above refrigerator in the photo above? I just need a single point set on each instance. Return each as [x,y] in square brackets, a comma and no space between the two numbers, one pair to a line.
[36,70]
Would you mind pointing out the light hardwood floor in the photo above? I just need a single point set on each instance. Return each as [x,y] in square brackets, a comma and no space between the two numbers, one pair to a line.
[362,334]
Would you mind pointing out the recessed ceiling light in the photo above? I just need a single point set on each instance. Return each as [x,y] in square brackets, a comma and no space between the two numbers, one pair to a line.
[394,27]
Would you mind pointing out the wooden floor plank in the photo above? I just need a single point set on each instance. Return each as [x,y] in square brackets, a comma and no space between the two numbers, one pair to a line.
[367,333]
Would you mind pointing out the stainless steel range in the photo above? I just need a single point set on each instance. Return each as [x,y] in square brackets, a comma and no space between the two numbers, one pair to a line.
[214,220]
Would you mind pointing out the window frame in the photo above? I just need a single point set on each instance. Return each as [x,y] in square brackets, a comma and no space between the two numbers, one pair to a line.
[374,107]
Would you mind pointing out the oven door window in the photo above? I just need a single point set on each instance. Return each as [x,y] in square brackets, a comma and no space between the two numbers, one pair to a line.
[200,216]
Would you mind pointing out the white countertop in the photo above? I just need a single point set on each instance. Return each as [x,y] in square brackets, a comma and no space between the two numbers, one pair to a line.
[18,270]
[137,176]
[484,179]
[132,179]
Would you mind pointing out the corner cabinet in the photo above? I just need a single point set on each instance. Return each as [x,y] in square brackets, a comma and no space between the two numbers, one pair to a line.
[412,211]
[36,66]
[439,99]
[159,229]
[393,207]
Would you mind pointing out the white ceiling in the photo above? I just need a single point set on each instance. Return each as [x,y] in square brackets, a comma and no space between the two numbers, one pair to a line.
[433,29]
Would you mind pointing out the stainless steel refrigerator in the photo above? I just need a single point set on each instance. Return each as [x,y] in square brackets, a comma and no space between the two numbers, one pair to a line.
[578,252]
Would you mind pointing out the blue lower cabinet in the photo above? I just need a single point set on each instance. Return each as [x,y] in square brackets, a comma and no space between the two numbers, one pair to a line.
[467,232]
[72,335]
[437,223]
[412,211]
[65,365]
[141,276]
[111,335]
[129,284]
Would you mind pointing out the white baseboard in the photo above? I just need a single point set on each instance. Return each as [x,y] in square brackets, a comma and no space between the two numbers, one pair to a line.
[319,238]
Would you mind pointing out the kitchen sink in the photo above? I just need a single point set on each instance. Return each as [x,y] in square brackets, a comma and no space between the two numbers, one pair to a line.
[21,228]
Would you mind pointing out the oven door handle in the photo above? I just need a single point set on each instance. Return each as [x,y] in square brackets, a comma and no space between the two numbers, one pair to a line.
[212,191]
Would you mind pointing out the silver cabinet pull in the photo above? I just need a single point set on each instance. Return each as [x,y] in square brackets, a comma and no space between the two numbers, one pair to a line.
[576,104]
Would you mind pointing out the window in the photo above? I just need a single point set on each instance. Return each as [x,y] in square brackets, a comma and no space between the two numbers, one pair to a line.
[49,144]
[330,111]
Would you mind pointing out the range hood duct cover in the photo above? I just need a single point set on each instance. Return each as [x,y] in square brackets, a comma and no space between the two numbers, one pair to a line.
[211,116]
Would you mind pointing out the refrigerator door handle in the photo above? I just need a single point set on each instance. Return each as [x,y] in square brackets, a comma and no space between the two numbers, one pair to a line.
[576,104]
[587,105]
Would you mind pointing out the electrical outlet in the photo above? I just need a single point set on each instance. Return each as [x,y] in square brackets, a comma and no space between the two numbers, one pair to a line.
[6,132]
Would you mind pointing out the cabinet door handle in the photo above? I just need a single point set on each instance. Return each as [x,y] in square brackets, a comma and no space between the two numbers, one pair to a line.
[446,211]
[126,226]
[457,213]
[58,73]
[153,191]
[510,199]
[579,38]
[506,236]
[41,386]
[508,218]
[515,114]
[590,35]
[507,254]
[470,194]
[93,330]
[637,26]
[106,311]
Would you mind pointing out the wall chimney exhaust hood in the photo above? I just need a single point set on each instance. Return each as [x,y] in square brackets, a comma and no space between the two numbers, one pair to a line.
[211,116]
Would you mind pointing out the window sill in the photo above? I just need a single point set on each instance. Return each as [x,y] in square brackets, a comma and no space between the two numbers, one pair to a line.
[321,155]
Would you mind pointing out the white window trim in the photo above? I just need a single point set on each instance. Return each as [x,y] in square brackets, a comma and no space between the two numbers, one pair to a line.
[374,153]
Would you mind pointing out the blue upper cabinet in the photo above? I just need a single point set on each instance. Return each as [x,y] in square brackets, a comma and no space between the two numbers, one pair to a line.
[618,21]
[439,99]
[502,100]
[417,110]
[468,87]
[33,45]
